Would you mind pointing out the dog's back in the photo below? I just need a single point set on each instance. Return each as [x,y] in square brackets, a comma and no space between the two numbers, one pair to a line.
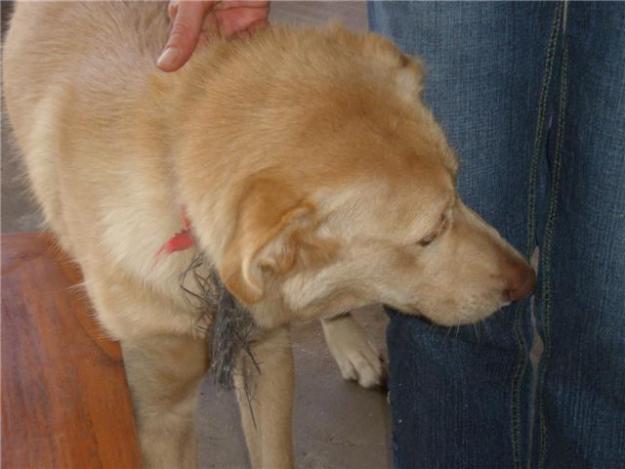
[115,48]
[56,88]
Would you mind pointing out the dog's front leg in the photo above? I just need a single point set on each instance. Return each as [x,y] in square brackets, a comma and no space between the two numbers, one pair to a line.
[266,400]
[164,374]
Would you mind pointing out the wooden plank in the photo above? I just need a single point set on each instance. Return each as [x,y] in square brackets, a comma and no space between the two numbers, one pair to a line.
[65,400]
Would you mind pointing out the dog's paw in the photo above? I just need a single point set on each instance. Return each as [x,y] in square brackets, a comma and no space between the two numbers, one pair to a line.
[362,363]
[357,358]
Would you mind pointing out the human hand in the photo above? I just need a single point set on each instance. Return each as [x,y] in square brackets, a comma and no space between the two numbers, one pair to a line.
[227,17]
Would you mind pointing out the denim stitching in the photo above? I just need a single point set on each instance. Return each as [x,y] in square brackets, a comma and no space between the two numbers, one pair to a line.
[522,357]
[540,127]
[546,253]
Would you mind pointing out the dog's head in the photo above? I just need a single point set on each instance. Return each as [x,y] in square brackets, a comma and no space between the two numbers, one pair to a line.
[349,197]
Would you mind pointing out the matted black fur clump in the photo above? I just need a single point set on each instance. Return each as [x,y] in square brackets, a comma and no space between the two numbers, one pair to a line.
[232,328]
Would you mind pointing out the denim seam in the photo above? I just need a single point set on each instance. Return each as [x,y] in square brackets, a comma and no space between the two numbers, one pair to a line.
[540,127]
[547,245]
[520,310]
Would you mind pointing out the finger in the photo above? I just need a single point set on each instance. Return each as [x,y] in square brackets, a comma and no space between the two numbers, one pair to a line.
[184,34]
[232,21]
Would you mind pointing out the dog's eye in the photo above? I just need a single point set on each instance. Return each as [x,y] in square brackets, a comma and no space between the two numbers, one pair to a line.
[427,240]
[440,228]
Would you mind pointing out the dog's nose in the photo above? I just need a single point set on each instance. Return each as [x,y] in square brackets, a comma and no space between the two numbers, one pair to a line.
[521,280]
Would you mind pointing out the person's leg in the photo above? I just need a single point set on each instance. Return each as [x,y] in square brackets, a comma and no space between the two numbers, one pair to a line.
[580,407]
[460,397]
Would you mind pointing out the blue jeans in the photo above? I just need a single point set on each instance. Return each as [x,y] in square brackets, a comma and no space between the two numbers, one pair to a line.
[532,96]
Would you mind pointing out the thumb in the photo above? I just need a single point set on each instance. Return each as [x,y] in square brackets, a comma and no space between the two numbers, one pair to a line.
[184,34]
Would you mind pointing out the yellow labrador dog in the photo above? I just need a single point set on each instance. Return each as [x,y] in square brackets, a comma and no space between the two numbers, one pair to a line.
[302,164]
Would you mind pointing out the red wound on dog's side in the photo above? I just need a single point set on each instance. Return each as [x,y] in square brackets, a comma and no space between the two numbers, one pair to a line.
[178,242]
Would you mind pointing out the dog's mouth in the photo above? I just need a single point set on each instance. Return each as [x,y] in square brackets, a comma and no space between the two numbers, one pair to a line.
[413,311]
[458,318]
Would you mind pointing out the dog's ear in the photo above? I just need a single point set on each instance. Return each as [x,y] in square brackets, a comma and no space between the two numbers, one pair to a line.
[408,72]
[409,77]
[271,222]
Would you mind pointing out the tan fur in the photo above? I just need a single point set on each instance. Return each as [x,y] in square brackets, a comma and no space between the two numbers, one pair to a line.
[310,170]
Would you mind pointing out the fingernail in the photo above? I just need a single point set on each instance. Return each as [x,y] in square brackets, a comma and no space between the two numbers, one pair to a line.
[168,58]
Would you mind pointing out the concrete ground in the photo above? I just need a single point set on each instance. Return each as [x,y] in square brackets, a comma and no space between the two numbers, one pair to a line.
[337,424]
